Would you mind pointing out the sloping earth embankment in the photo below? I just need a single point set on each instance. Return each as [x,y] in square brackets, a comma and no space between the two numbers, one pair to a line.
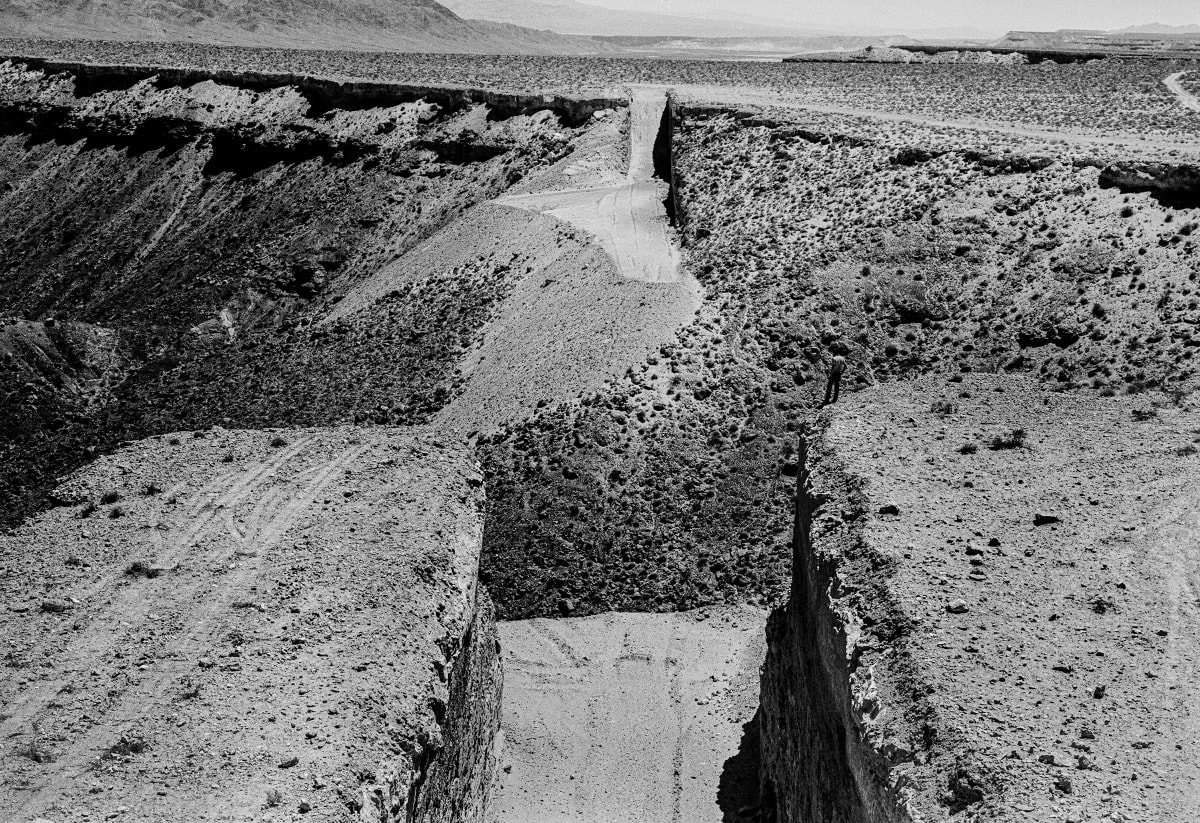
[230,221]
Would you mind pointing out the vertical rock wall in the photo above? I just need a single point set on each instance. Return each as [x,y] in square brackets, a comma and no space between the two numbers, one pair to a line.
[458,782]
[817,763]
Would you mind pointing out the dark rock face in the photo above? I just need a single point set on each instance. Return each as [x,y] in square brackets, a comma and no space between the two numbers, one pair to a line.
[819,761]
[458,782]
[1175,185]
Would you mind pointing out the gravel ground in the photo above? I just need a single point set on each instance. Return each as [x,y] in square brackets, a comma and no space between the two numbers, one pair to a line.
[1041,548]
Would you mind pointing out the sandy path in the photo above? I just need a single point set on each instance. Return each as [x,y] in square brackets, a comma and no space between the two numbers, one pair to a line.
[629,221]
[626,718]
[569,320]
[1186,99]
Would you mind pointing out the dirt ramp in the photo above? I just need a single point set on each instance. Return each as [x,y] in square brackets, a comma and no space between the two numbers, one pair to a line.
[628,717]
[247,625]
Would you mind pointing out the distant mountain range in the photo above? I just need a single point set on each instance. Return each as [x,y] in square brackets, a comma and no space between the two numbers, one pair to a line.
[391,25]
[572,17]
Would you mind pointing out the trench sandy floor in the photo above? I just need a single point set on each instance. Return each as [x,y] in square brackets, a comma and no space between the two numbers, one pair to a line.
[626,718]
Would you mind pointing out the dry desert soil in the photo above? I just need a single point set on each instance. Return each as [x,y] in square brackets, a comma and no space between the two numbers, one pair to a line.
[309,357]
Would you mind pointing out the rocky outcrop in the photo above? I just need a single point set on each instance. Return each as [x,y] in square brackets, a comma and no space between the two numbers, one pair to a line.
[1171,184]
[458,784]
[969,552]
[323,94]
[821,757]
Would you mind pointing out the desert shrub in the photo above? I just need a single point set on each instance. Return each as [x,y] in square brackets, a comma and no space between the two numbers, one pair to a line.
[35,750]
[110,497]
[1142,415]
[1014,439]
[277,442]
[151,489]
[1187,451]
[139,569]
[128,745]
[968,448]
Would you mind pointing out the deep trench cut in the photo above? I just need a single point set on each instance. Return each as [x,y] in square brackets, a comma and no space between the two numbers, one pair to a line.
[664,157]
[628,220]
[816,764]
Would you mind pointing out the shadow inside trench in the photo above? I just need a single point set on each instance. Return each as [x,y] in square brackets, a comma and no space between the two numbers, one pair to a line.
[738,793]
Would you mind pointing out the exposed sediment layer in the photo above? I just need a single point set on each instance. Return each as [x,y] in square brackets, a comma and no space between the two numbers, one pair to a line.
[249,624]
[1173,184]
[204,230]
[322,93]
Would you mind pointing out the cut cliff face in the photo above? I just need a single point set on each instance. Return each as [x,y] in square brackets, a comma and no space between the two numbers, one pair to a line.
[991,614]
[246,624]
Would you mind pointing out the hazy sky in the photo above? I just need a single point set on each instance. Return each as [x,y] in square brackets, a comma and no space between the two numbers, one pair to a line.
[991,15]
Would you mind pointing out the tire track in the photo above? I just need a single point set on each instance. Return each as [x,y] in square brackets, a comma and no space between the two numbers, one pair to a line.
[275,510]
[1188,100]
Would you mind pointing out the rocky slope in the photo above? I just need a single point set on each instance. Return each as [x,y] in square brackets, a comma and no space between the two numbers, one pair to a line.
[393,25]
[230,222]
[248,625]
[993,615]
[672,488]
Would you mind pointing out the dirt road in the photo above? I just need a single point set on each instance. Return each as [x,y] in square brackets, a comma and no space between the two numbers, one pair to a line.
[628,220]
[1186,99]
[627,718]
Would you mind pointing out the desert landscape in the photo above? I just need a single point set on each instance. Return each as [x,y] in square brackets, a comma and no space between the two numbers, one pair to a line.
[414,416]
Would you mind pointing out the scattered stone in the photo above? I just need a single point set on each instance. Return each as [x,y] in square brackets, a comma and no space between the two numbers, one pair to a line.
[1045,519]
[957,607]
